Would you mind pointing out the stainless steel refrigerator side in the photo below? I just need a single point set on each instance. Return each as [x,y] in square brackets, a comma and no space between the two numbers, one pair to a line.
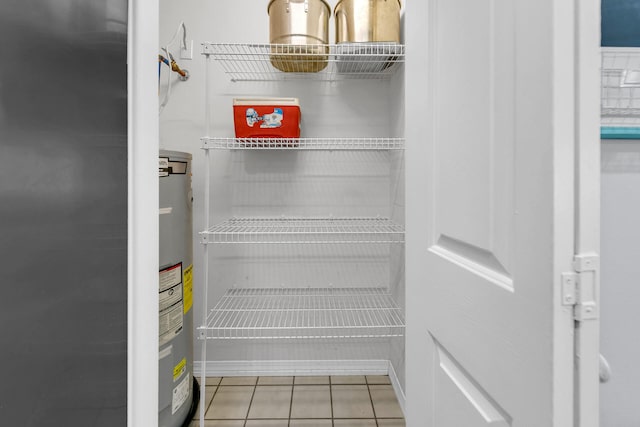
[63,212]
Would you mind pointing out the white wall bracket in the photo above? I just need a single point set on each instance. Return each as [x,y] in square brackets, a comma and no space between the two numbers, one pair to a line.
[202,333]
[204,238]
[186,52]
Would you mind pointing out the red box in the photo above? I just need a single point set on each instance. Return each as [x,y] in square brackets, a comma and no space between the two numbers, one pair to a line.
[266,117]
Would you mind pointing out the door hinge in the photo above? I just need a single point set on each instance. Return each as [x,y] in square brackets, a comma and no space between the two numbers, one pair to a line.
[580,287]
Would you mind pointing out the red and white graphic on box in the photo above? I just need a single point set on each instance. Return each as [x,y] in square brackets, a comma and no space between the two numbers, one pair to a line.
[266,117]
[267,121]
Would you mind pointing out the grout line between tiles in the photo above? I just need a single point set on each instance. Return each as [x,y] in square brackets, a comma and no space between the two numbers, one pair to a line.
[293,390]
[373,408]
[210,403]
[246,418]
[331,398]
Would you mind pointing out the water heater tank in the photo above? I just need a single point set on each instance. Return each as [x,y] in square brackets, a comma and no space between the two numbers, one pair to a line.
[178,390]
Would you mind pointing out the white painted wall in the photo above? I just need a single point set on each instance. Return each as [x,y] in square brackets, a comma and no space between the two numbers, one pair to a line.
[620,316]
[285,183]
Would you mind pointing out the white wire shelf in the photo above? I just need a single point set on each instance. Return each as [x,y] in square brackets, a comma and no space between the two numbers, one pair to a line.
[304,230]
[266,62]
[287,313]
[620,96]
[303,143]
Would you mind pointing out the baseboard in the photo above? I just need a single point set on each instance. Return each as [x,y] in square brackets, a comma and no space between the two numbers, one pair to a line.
[292,367]
[397,388]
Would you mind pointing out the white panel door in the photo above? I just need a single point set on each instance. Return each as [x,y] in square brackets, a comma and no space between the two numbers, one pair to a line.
[491,130]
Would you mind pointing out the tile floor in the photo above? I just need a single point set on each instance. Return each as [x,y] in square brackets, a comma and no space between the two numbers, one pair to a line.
[323,401]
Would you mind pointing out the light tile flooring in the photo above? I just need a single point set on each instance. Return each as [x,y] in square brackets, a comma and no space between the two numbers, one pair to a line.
[336,401]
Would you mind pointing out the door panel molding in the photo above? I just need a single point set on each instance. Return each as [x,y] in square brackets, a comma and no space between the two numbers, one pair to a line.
[473,405]
[474,259]
[475,136]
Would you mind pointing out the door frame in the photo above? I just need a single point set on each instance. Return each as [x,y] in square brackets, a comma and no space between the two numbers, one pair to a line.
[142,257]
[143,199]
[587,205]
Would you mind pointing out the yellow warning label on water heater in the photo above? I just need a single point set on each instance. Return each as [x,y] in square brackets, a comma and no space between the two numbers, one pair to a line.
[179,369]
[187,289]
